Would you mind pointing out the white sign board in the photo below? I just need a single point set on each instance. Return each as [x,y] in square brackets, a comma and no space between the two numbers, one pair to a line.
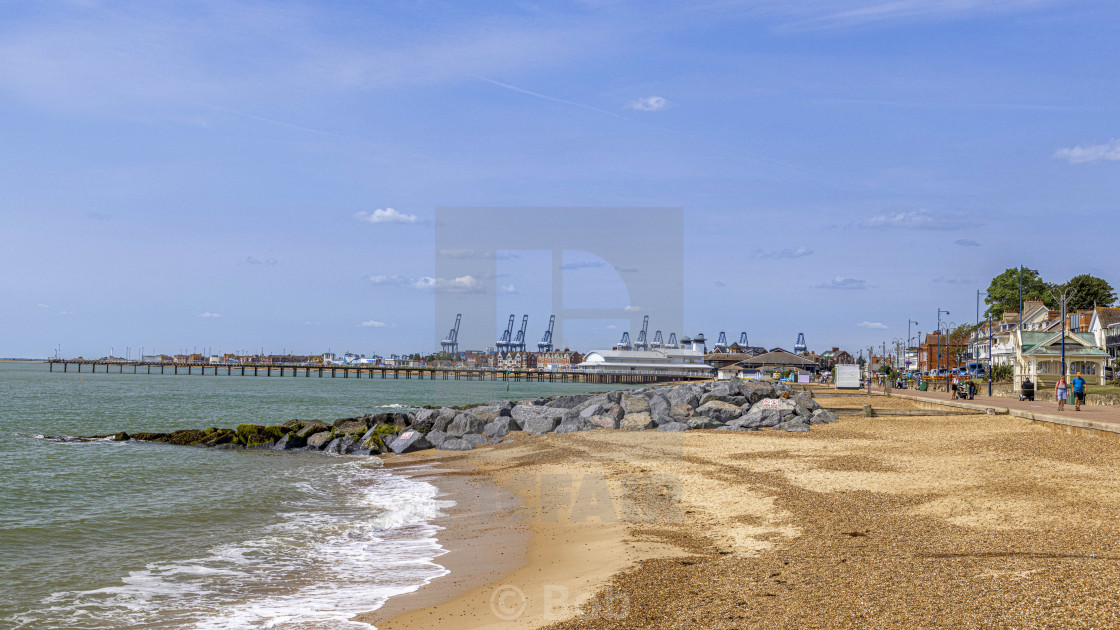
[847,377]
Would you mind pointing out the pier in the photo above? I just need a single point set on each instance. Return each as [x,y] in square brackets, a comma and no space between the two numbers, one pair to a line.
[365,371]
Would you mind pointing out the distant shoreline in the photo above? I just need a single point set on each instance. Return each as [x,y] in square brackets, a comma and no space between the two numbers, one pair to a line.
[23,360]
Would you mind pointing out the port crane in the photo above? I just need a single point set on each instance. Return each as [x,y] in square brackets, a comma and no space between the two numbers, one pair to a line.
[545,344]
[505,342]
[657,342]
[640,343]
[743,343]
[450,344]
[800,346]
[624,344]
[672,342]
[518,344]
[721,343]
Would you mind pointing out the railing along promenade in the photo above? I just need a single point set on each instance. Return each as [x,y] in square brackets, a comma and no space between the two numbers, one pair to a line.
[374,371]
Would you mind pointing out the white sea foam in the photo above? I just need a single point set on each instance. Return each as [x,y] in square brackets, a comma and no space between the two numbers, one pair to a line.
[367,535]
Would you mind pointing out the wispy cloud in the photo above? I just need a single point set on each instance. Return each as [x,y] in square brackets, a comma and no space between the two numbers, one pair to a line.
[941,279]
[464,284]
[840,282]
[268,262]
[393,279]
[43,305]
[632,309]
[385,215]
[835,14]
[917,220]
[721,284]
[1109,151]
[872,325]
[209,315]
[372,324]
[509,288]
[648,104]
[966,242]
[586,264]
[784,253]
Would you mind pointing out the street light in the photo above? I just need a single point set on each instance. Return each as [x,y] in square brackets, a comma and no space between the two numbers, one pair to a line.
[939,312]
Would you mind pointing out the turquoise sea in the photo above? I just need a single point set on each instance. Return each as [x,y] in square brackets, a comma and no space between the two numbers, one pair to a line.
[129,535]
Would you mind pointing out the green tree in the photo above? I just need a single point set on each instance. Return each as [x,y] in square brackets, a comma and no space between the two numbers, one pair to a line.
[1088,291]
[1003,292]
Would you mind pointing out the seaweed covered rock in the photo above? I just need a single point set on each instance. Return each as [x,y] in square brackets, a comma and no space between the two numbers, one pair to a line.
[186,437]
[319,440]
[258,436]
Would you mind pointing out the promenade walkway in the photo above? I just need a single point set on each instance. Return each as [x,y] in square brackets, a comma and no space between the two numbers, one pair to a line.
[1098,417]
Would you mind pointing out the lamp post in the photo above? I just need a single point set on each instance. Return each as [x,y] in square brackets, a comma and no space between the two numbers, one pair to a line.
[939,312]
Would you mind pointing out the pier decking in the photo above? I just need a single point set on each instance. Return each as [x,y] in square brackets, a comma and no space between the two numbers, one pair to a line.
[367,371]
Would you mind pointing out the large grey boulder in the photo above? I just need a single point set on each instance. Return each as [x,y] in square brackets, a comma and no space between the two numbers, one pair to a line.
[409,441]
[524,413]
[680,411]
[806,401]
[702,422]
[756,390]
[783,388]
[455,444]
[720,389]
[823,416]
[775,403]
[541,424]
[614,397]
[465,423]
[758,417]
[572,423]
[637,421]
[719,411]
[634,404]
[474,439]
[319,440]
[568,402]
[424,419]
[684,394]
[659,409]
[673,426]
[615,411]
[339,445]
[435,437]
[446,417]
[603,421]
[485,414]
[501,427]
[793,425]
[592,409]
[310,427]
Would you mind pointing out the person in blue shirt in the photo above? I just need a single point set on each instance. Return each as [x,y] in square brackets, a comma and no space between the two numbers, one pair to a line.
[1078,384]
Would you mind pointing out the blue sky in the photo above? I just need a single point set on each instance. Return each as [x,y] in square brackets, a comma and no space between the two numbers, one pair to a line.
[221,174]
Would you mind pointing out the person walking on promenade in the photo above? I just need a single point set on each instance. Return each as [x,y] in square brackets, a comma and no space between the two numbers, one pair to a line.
[956,387]
[1078,392]
[1061,392]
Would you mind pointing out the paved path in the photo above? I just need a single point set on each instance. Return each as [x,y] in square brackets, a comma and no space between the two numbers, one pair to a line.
[1099,417]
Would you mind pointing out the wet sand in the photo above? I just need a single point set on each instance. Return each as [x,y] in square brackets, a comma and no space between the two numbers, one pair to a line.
[896,522]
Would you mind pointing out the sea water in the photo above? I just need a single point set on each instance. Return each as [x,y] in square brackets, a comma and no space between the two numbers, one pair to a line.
[109,534]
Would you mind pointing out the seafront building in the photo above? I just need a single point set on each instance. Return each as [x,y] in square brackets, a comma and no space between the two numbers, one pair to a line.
[683,362]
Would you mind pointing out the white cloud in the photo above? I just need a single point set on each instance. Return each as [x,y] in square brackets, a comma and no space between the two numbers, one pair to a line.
[373,324]
[268,262]
[386,215]
[393,279]
[648,104]
[209,315]
[466,284]
[840,282]
[585,264]
[64,312]
[1083,153]
[910,219]
[612,327]
[632,309]
[43,305]
[872,325]
[509,288]
[784,253]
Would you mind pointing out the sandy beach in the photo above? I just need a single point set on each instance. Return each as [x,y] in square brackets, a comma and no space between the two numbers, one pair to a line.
[915,521]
